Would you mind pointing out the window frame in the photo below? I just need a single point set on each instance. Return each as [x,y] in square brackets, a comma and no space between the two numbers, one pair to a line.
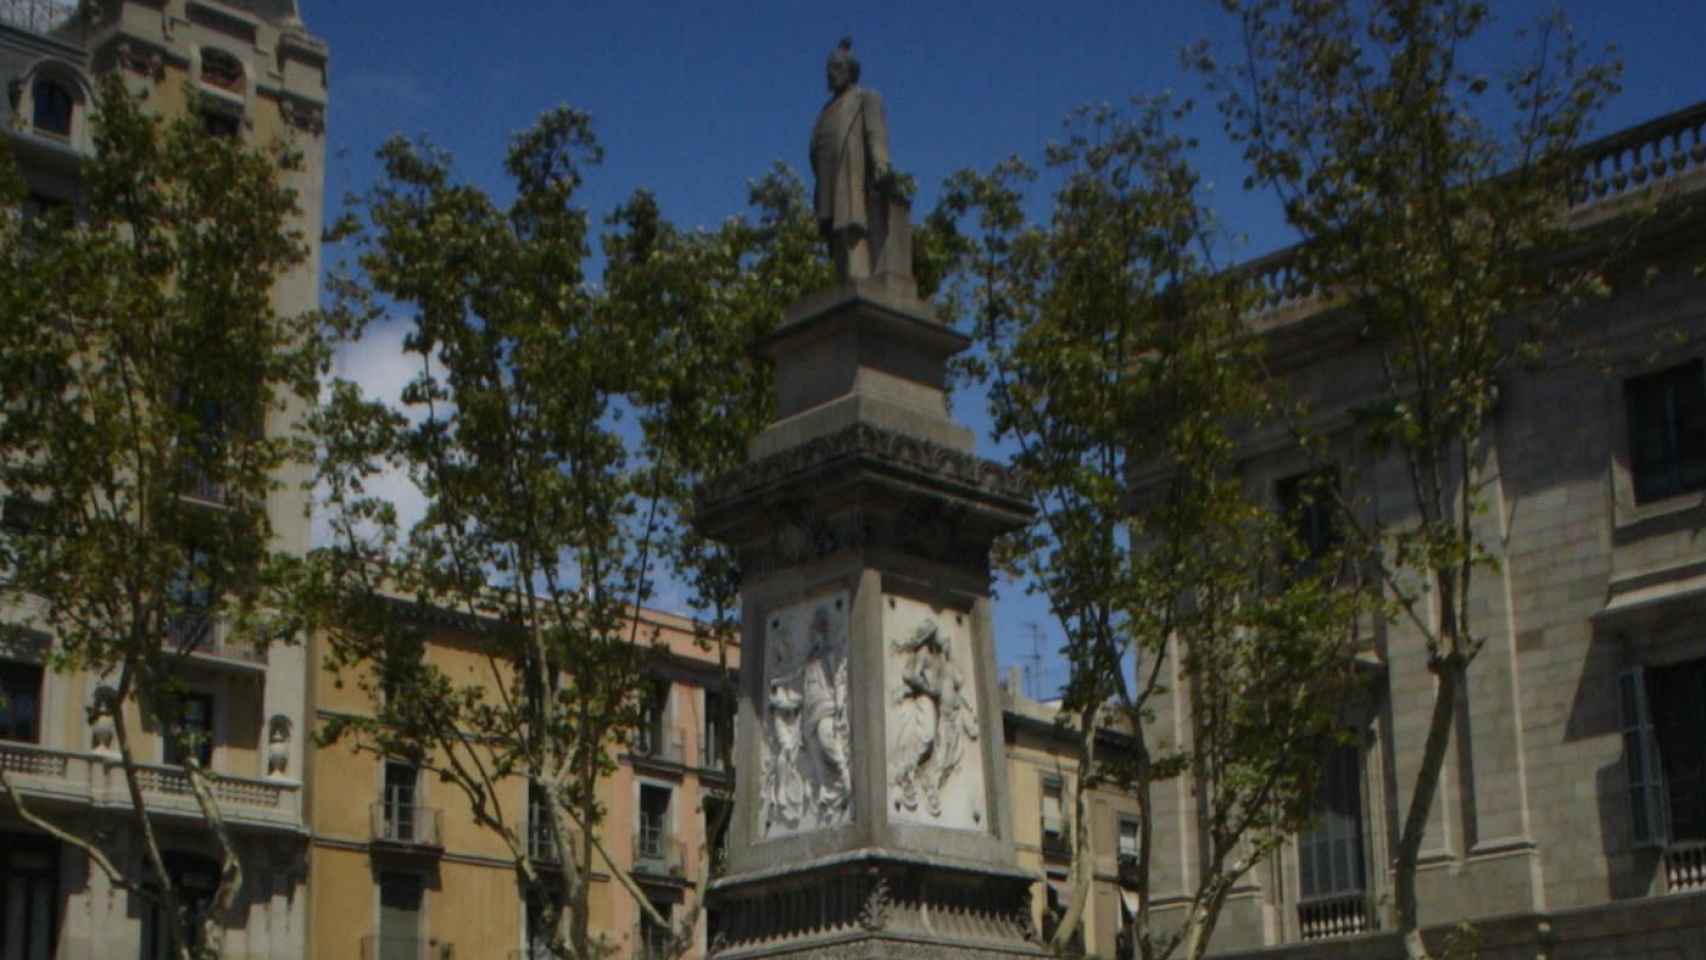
[9,669]
[54,85]
[1645,488]
[172,745]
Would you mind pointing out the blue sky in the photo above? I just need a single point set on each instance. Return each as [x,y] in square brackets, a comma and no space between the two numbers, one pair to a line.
[693,100]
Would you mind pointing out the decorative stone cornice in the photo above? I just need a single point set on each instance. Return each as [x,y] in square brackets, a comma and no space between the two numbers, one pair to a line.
[876,446]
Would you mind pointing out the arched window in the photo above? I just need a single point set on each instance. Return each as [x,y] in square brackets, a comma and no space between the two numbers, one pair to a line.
[53,106]
[221,69]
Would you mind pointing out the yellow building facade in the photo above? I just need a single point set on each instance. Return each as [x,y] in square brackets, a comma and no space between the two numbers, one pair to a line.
[401,869]
[251,70]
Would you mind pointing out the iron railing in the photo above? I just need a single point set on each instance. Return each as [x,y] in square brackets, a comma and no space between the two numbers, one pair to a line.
[407,824]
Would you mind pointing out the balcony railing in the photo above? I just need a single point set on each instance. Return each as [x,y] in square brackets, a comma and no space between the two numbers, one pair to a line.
[656,853]
[202,634]
[662,745]
[1685,866]
[37,16]
[1128,870]
[98,780]
[1057,838]
[408,825]
[1632,159]
[1341,915]
[375,947]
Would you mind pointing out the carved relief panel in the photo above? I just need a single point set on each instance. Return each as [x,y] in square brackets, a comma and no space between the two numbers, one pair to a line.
[806,776]
[935,757]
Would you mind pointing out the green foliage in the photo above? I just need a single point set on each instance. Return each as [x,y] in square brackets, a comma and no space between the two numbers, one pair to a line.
[1119,365]
[557,431]
[149,389]
[1432,204]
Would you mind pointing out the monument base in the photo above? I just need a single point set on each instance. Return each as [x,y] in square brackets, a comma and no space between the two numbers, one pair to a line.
[875,903]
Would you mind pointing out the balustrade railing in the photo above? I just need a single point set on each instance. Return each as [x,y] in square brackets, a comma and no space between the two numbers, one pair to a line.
[1341,915]
[202,633]
[1685,866]
[37,16]
[407,824]
[1641,156]
[100,779]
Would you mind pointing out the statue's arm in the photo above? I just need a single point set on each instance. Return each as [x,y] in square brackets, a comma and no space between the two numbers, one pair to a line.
[876,134]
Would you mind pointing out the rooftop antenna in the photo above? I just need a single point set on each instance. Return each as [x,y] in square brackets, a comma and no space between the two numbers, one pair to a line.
[1034,669]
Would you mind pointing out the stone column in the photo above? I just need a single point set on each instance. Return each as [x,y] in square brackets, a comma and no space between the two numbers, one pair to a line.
[871,807]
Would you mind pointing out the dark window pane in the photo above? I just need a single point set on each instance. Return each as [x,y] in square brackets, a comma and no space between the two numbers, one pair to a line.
[20,714]
[1677,697]
[1330,851]
[1667,431]
[53,107]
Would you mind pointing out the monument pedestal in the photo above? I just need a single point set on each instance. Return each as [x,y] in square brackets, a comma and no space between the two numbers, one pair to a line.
[871,811]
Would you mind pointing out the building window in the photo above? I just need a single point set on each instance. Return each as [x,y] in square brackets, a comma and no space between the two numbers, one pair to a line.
[717,726]
[400,896]
[197,879]
[1667,431]
[221,123]
[655,937]
[1128,838]
[191,734]
[1676,696]
[1332,878]
[222,70]
[717,819]
[651,843]
[1306,500]
[20,712]
[1055,836]
[53,107]
[541,837]
[649,736]
[400,814]
[29,896]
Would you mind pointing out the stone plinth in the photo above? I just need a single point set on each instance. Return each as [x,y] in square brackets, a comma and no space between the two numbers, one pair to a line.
[871,811]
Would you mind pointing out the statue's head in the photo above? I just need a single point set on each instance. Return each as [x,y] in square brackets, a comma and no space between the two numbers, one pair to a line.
[843,67]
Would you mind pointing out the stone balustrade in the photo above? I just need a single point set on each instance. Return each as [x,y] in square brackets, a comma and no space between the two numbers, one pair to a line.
[37,16]
[98,780]
[1658,151]
[1343,915]
[1685,866]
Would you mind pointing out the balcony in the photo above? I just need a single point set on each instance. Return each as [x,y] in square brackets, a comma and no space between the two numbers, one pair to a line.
[208,640]
[1128,870]
[1685,866]
[374,947]
[657,854]
[37,16]
[408,827]
[1057,838]
[95,780]
[661,745]
[1339,915]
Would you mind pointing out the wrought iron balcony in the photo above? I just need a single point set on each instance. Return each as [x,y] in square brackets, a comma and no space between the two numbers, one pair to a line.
[1128,870]
[1057,838]
[656,853]
[203,635]
[667,745]
[375,947]
[409,826]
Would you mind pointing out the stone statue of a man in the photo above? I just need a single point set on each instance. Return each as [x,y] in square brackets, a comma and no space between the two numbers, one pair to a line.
[850,159]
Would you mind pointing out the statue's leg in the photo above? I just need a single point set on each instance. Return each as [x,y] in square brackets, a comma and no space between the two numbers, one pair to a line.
[852,253]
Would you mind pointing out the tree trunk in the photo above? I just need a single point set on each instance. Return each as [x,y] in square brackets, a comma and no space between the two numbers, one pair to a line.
[1451,666]
[1083,865]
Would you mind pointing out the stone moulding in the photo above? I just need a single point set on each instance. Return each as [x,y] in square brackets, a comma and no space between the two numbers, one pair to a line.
[909,456]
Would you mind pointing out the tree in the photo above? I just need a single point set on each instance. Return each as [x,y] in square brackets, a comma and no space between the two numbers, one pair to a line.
[548,516]
[1442,230]
[149,390]
[1120,367]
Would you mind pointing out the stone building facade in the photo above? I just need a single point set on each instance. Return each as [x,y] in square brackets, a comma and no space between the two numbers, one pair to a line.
[1571,820]
[252,70]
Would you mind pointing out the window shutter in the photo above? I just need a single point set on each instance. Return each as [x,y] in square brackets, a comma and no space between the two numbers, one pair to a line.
[1641,761]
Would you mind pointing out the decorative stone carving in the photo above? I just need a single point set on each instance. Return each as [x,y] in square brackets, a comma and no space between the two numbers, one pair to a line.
[806,780]
[874,915]
[882,447]
[102,736]
[308,117]
[278,745]
[850,161]
[935,763]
